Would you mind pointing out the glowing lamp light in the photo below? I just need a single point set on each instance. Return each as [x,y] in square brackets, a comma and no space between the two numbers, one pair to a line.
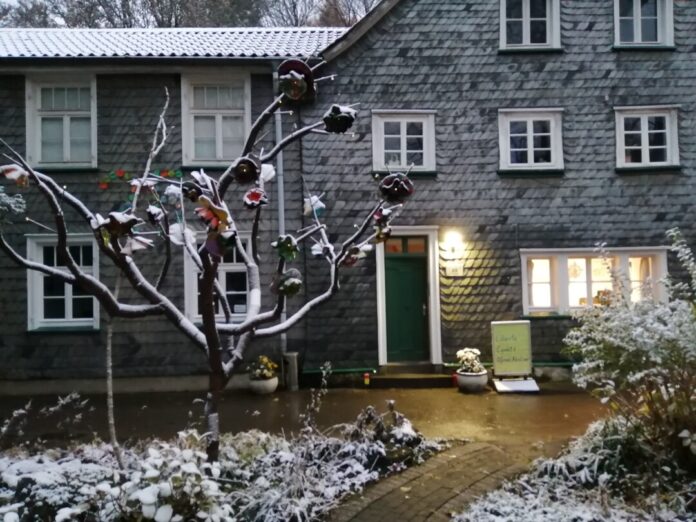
[453,245]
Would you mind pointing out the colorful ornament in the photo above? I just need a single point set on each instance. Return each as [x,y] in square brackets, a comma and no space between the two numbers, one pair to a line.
[287,247]
[288,284]
[313,204]
[15,173]
[382,233]
[217,218]
[396,187]
[339,119]
[135,243]
[191,191]
[247,170]
[154,214]
[254,198]
[296,80]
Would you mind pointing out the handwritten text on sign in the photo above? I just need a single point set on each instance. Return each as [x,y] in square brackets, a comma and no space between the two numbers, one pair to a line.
[512,347]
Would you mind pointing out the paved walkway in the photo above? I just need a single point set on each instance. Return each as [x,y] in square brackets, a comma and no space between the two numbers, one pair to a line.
[443,485]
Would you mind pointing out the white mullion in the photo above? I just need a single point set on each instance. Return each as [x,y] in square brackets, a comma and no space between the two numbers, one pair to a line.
[637,29]
[644,136]
[530,141]
[68,302]
[218,136]
[623,267]
[526,22]
[561,282]
[588,281]
[66,138]
[402,128]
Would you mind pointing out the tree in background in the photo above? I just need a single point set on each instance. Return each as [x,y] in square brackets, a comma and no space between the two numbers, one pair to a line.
[343,13]
[125,237]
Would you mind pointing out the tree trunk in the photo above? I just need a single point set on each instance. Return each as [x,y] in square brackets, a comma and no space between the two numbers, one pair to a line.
[110,380]
[216,384]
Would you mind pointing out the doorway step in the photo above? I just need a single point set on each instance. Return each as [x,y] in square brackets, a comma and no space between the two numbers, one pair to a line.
[411,375]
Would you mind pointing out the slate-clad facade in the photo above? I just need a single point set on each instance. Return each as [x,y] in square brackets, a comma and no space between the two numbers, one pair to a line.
[533,163]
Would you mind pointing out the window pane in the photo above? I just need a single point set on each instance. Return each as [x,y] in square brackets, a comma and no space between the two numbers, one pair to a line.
[237,303]
[392,144]
[649,30]
[658,155]
[542,142]
[415,144]
[537,8]
[59,98]
[577,282]
[394,246]
[82,308]
[85,102]
[648,8]
[626,30]
[46,98]
[393,159]
[657,123]
[231,97]
[632,139]
[53,287]
[537,32]
[414,158]
[204,137]
[657,139]
[518,156]
[634,156]
[75,253]
[416,245]
[541,295]
[73,99]
[577,294]
[539,275]
[513,9]
[87,255]
[626,8]
[518,127]
[232,136]
[80,139]
[51,140]
[236,282]
[601,269]
[514,32]
[542,127]
[601,293]
[49,254]
[199,97]
[640,274]
[539,270]
[542,156]
[392,128]
[518,142]
[632,124]
[414,128]
[54,308]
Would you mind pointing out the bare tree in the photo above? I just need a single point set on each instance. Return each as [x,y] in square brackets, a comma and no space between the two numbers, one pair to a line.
[121,235]
[334,13]
[290,13]
[31,13]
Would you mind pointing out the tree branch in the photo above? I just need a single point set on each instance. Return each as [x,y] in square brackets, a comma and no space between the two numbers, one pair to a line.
[288,140]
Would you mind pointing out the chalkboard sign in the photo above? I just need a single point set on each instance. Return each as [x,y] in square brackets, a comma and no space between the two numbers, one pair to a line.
[512,348]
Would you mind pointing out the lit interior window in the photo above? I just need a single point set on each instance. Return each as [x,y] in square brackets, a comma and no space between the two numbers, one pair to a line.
[539,271]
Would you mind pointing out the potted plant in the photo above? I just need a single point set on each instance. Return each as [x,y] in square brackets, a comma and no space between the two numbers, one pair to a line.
[471,375]
[262,375]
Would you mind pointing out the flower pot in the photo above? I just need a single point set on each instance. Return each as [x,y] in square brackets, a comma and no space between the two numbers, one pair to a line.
[263,386]
[472,382]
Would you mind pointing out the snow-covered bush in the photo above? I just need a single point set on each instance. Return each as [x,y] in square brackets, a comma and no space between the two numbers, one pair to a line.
[640,358]
[259,477]
[469,361]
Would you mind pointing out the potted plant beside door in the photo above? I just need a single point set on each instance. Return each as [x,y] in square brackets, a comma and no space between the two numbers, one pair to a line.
[262,376]
[471,375]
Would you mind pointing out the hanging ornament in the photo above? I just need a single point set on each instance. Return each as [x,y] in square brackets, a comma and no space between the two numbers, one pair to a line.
[268,172]
[172,195]
[103,183]
[382,233]
[338,119]
[191,191]
[15,173]
[247,170]
[296,80]
[217,218]
[228,239]
[120,173]
[313,204]
[317,250]
[382,216]
[254,198]
[154,214]
[119,224]
[396,187]
[288,284]
[135,243]
[287,247]
[214,244]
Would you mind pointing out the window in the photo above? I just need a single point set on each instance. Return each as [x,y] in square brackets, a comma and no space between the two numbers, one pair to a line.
[530,139]
[643,22]
[52,302]
[216,117]
[530,24]
[61,122]
[403,140]
[646,136]
[564,280]
[233,279]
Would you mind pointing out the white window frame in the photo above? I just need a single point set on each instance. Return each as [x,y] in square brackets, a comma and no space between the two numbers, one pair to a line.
[191,282]
[555,115]
[670,112]
[33,86]
[35,316]
[194,79]
[560,280]
[665,25]
[553,29]
[426,117]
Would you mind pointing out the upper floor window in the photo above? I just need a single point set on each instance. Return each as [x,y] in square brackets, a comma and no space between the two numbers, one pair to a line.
[529,24]
[530,139]
[232,275]
[646,136]
[52,303]
[216,114]
[403,140]
[61,122]
[643,22]
[561,281]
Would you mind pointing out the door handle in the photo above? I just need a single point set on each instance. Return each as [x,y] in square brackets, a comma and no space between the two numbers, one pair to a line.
[425,310]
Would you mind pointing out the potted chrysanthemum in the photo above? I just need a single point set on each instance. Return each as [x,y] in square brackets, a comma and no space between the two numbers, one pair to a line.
[471,375]
[263,378]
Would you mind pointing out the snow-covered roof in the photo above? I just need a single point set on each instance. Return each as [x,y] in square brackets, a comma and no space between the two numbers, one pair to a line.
[247,42]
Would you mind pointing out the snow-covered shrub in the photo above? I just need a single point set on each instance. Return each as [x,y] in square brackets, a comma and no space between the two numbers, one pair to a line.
[259,476]
[469,361]
[640,358]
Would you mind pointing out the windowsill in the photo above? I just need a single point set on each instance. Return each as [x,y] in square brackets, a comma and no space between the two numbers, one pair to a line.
[64,329]
[645,169]
[214,167]
[643,47]
[530,50]
[413,174]
[530,173]
[551,315]
[66,168]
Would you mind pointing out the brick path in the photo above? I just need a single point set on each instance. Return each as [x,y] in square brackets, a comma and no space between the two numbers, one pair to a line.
[443,485]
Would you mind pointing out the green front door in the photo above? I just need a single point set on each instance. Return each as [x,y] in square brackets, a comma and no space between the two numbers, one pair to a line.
[406,269]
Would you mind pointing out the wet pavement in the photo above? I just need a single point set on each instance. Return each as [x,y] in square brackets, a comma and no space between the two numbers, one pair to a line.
[526,426]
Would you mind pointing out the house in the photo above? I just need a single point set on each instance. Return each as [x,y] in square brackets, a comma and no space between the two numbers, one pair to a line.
[533,130]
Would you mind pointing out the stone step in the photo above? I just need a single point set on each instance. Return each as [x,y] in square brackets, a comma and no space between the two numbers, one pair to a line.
[411,380]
